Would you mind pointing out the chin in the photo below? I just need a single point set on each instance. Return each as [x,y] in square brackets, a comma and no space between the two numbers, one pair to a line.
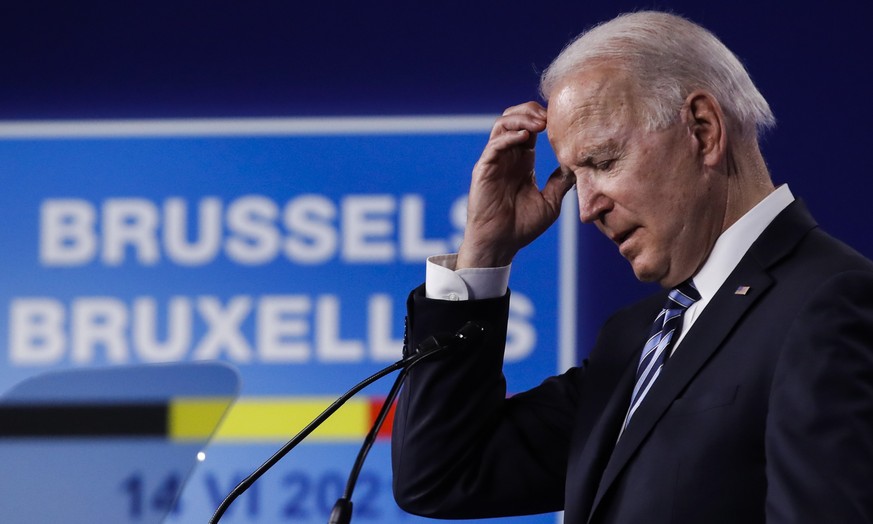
[644,275]
[647,270]
[649,275]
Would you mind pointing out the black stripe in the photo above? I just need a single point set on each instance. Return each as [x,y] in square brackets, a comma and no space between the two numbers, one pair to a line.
[83,420]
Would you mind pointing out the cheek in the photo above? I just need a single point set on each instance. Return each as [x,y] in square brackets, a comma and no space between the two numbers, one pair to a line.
[663,214]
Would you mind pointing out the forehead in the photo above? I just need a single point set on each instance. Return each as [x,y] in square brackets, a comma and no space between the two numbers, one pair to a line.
[592,106]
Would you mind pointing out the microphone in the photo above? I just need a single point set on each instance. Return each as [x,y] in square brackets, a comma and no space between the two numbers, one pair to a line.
[470,333]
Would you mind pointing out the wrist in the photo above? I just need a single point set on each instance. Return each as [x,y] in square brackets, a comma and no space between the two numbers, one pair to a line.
[470,257]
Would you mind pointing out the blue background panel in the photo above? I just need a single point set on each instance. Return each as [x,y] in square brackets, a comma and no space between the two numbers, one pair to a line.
[93,280]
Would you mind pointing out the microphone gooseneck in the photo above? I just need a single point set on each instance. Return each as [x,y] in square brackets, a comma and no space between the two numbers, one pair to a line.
[342,509]
[341,514]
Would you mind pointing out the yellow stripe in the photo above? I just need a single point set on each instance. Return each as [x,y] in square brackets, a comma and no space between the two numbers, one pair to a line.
[195,418]
[268,419]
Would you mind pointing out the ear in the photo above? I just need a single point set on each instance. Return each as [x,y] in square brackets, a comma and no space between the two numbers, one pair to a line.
[705,119]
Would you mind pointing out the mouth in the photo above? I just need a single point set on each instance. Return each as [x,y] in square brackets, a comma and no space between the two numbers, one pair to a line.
[620,237]
[624,241]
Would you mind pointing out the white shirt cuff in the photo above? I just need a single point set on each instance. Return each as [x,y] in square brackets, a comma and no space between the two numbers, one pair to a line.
[443,282]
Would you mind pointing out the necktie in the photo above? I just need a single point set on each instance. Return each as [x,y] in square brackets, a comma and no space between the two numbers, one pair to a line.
[658,346]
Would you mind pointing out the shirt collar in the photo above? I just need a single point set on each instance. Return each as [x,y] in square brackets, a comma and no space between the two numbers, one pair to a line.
[732,245]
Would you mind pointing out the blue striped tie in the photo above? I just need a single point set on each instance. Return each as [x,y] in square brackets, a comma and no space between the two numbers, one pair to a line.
[658,347]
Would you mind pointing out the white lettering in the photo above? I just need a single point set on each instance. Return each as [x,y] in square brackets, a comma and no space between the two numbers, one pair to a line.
[368,229]
[223,326]
[256,239]
[312,235]
[281,329]
[383,347]
[96,322]
[36,331]
[208,238]
[251,230]
[66,232]
[415,247]
[271,329]
[130,222]
[145,338]
[329,346]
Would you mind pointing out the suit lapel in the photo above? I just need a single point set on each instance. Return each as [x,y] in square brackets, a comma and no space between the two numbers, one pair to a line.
[701,342]
[707,334]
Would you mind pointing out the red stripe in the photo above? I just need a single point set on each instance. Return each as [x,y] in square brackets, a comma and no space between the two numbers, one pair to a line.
[375,406]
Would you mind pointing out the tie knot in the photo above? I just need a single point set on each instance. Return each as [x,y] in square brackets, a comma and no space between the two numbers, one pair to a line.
[683,295]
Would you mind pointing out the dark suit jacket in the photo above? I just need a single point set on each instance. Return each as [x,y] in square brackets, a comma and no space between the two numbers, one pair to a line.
[763,414]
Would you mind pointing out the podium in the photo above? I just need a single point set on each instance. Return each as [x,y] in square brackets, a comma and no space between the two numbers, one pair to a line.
[110,445]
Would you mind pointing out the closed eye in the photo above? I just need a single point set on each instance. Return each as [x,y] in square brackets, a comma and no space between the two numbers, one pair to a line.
[599,164]
[604,164]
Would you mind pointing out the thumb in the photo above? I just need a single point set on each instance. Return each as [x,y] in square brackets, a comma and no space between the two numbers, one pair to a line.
[558,184]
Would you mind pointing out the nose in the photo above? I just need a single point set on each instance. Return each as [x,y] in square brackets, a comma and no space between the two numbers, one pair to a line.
[593,204]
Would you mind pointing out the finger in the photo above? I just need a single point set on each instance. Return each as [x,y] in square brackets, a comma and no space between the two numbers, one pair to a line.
[512,123]
[529,116]
[558,184]
[521,138]
[507,152]
[528,108]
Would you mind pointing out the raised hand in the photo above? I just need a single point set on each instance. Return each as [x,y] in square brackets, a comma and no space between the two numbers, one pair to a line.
[506,209]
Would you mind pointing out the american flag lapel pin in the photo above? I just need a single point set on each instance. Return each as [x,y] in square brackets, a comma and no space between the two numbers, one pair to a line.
[742,290]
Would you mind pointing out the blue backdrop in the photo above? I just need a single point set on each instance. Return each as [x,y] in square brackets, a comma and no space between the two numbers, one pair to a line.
[163,61]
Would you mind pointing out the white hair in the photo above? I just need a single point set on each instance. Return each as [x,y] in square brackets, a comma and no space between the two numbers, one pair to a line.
[668,57]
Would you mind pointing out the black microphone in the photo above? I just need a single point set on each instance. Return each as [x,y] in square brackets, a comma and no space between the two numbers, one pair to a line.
[470,333]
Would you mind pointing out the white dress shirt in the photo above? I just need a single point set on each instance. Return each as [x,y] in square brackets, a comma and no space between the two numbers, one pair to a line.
[443,282]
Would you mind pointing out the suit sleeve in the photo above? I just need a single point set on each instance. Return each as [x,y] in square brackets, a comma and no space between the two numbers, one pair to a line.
[819,435]
[460,448]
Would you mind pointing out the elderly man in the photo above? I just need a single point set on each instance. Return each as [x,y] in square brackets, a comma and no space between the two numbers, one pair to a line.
[742,393]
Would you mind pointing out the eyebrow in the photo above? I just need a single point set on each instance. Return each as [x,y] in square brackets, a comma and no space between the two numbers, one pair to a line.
[606,149]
